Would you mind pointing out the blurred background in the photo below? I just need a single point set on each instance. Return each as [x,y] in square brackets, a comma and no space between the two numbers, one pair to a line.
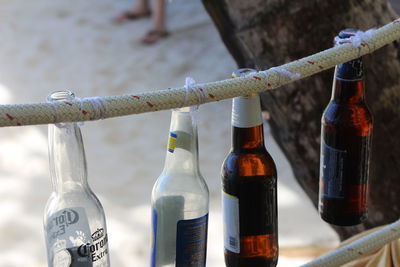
[48,45]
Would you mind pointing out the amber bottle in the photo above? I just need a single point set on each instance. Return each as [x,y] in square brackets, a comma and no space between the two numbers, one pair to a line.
[249,187]
[346,132]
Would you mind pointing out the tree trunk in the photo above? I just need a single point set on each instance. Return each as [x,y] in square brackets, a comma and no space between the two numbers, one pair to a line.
[266,33]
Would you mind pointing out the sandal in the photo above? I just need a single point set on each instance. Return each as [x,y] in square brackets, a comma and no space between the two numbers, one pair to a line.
[130,15]
[153,36]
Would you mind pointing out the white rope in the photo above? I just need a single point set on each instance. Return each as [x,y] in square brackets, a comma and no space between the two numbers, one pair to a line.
[358,38]
[100,107]
[55,111]
[285,74]
[62,125]
[258,73]
[358,248]
[149,101]
[203,92]
[55,114]
[191,86]
[361,37]
[188,87]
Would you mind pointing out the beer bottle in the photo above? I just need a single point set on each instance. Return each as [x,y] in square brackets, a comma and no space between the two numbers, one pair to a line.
[180,199]
[249,184]
[74,221]
[346,131]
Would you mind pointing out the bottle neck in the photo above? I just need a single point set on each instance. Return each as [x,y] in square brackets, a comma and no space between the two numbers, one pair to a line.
[67,158]
[348,85]
[182,151]
[247,127]
[248,138]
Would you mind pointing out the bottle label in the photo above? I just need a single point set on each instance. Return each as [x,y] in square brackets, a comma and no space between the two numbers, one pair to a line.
[230,207]
[191,242]
[350,71]
[70,242]
[246,111]
[167,211]
[172,142]
[332,170]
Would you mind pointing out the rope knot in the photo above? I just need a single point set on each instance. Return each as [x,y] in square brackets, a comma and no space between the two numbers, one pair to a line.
[100,107]
[200,92]
[358,38]
[361,37]
[285,73]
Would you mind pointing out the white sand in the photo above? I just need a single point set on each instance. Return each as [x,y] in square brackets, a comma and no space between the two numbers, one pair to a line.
[48,45]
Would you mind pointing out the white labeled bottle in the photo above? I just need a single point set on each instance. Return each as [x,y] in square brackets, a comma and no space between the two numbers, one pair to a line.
[180,199]
[74,221]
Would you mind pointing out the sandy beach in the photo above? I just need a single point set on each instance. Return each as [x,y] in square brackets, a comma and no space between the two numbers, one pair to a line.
[57,45]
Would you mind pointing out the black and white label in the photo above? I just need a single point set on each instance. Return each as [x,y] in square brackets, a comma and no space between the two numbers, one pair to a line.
[70,242]
[66,231]
[69,224]
[230,208]
[332,170]
[62,258]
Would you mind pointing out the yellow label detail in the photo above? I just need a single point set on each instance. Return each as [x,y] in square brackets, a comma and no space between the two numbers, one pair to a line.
[172,142]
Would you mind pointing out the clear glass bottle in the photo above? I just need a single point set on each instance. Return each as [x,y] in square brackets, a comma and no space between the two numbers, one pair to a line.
[74,221]
[180,199]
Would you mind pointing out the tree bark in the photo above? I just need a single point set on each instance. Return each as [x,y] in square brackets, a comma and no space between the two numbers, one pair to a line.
[265,33]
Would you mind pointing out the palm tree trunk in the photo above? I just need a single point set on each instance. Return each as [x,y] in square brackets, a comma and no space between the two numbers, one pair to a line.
[266,33]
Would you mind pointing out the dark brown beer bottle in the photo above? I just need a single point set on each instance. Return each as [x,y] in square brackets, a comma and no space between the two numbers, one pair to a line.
[249,197]
[345,146]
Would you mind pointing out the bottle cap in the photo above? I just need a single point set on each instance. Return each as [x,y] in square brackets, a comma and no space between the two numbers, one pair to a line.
[347,33]
[352,70]
[61,96]
[242,72]
[246,110]
[344,35]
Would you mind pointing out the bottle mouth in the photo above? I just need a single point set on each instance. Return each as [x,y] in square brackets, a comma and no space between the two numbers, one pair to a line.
[184,109]
[61,96]
[344,36]
[242,72]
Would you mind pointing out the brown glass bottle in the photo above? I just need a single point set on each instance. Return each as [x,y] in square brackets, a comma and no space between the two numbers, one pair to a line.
[346,132]
[249,191]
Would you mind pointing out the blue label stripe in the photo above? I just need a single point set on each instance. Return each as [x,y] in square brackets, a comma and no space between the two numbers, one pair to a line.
[154,245]
[173,135]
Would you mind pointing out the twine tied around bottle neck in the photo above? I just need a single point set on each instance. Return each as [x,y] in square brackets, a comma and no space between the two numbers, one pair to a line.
[200,92]
[63,125]
[100,107]
[55,114]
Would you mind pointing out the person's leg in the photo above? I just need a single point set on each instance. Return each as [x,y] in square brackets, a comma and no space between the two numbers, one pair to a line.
[159,28]
[159,15]
[140,9]
[141,6]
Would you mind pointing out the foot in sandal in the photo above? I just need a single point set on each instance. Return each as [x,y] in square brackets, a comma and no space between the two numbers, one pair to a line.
[153,36]
[131,15]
